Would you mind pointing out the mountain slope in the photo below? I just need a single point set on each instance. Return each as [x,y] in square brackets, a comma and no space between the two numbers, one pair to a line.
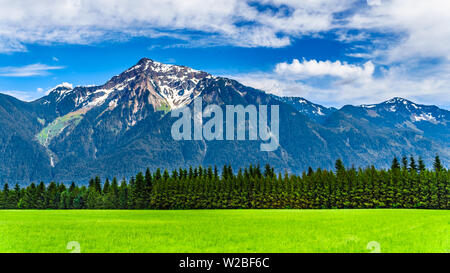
[431,121]
[21,156]
[314,111]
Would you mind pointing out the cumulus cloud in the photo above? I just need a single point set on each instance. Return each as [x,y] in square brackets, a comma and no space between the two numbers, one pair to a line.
[420,30]
[423,26]
[374,2]
[314,68]
[394,82]
[235,22]
[27,70]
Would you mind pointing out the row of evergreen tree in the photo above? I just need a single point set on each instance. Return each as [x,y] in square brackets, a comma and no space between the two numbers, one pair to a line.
[405,185]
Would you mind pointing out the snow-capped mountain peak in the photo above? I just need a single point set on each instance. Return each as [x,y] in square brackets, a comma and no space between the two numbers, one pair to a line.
[63,87]
[164,86]
[170,85]
[409,111]
[144,86]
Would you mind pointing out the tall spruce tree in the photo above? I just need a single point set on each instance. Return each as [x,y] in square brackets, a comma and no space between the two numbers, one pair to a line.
[412,164]
[395,164]
[437,163]
[404,163]
[421,165]
[4,197]
[339,166]
[139,192]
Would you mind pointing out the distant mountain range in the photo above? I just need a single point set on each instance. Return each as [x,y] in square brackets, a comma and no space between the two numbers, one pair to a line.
[123,126]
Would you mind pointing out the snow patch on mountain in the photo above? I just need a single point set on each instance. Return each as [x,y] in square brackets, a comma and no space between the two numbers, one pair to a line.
[424,117]
[409,111]
[61,90]
[368,106]
[64,85]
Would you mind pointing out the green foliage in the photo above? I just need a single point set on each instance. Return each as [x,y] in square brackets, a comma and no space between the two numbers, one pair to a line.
[163,107]
[225,231]
[57,126]
[437,163]
[250,188]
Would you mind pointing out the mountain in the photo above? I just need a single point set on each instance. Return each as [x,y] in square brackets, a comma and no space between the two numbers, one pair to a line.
[20,156]
[431,121]
[124,126]
[314,111]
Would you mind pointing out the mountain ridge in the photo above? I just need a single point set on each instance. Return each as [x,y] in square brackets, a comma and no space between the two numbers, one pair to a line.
[123,126]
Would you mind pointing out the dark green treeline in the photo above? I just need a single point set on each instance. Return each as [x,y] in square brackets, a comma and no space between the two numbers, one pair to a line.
[406,184]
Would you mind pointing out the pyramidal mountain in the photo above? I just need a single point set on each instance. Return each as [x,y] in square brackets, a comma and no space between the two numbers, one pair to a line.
[124,126]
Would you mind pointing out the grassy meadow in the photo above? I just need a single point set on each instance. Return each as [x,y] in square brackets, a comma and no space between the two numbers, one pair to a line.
[225,230]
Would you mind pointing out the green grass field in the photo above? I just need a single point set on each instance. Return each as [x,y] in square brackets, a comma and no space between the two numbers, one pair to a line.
[225,230]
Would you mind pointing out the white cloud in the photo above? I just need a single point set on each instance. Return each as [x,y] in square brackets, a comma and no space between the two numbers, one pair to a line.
[8,45]
[21,95]
[313,68]
[424,26]
[394,82]
[419,29]
[374,2]
[360,55]
[233,22]
[27,70]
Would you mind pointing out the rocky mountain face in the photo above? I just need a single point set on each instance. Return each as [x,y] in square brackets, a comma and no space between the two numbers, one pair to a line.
[314,111]
[124,126]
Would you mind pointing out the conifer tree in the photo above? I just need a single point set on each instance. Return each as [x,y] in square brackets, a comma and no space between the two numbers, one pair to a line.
[412,164]
[158,174]
[106,197]
[225,172]
[106,186]
[72,187]
[114,194]
[404,163]
[339,166]
[210,173]
[40,196]
[139,192]
[421,165]
[166,175]
[123,195]
[268,171]
[98,184]
[4,197]
[148,187]
[395,164]
[437,164]
[53,195]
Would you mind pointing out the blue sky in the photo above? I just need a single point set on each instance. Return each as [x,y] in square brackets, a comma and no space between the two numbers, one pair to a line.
[330,52]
